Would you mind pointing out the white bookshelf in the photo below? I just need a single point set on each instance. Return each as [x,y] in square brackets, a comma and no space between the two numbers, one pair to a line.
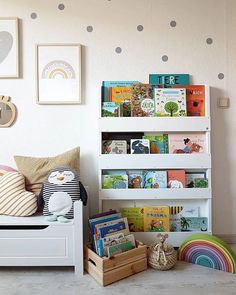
[116,198]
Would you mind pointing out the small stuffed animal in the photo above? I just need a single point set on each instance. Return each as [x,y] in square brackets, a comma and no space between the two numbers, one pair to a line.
[60,190]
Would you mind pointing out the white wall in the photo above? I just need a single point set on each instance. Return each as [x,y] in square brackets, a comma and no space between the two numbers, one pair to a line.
[50,130]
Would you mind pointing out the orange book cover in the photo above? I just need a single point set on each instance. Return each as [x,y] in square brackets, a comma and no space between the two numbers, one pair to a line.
[120,94]
[176,178]
[195,95]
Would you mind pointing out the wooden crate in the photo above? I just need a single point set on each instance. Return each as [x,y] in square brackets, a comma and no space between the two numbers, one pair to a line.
[109,270]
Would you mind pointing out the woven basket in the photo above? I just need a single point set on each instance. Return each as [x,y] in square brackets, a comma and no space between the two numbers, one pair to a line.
[162,259]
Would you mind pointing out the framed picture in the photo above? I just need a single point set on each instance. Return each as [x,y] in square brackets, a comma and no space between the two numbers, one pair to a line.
[9,48]
[58,73]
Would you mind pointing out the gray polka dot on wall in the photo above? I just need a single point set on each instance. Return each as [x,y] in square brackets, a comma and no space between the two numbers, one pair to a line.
[209,41]
[173,24]
[33,15]
[118,49]
[61,6]
[165,58]
[89,29]
[221,76]
[140,28]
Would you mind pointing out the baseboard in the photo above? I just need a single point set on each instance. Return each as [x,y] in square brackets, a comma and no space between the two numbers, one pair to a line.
[230,239]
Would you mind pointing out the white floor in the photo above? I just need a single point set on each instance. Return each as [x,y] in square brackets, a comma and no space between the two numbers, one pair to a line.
[185,279]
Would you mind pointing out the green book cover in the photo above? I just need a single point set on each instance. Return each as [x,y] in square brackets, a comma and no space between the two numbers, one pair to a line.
[120,248]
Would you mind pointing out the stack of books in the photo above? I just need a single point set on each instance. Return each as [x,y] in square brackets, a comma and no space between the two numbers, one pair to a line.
[109,234]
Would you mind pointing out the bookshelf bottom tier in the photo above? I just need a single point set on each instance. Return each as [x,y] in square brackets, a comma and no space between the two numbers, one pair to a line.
[175,238]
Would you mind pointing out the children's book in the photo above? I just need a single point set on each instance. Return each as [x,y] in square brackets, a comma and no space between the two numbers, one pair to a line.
[176,212]
[107,223]
[112,228]
[105,242]
[168,80]
[140,146]
[200,182]
[190,176]
[156,219]
[195,96]
[176,178]
[116,181]
[142,102]
[114,147]
[120,248]
[136,179]
[102,214]
[110,109]
[155,179]
[125,108]
[158,143]
[120,94]
[106,85]
[194,224]
[187,143]
[170,102]
[135,218]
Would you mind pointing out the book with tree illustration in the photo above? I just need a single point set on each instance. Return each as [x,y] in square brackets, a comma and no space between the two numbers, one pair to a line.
[195,96]
[135,218]
[110,109]
[176,212]
[156,219]
[142,102]
[187,143]
[155,179]
[194,224]
[115,181]
[192,175]
[158,143]
[170,102]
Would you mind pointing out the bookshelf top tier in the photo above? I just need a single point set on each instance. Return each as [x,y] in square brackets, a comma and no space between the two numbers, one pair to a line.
[154,124]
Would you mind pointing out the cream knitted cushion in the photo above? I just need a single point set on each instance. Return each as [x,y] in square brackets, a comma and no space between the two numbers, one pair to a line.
[14,199]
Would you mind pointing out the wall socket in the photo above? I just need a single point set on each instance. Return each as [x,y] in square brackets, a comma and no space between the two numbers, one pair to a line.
[223,103]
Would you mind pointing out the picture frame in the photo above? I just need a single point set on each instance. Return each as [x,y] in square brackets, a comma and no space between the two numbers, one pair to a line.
[9,47]
[58,74]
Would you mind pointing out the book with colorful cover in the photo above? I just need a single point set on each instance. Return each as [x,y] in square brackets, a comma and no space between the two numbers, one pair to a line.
[120,94]
[189,224]
[110,109]
[112,228]
[139,146]
[142,102]
[134,217]
[170,102]
[116,181]
[155,179]
[107,223]
[106,85]
[190,176]
[177,212]
[94,221]
[200,183]
[176,178]
[114,147]
[156,219]
[120,248]
[102,214]
[169,80]
[157,143]
[136,179]
[105,242]
[195,96]
[187,143]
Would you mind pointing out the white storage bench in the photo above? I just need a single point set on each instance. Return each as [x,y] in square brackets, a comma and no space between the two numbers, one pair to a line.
[32,241]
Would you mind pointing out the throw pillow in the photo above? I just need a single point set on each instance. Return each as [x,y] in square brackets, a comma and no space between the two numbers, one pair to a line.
[4,169]
[36,169]
[14,199]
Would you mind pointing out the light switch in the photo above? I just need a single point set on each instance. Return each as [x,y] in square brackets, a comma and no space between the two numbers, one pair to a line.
[223,102]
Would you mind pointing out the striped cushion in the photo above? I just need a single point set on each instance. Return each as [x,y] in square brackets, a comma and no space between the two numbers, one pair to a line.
[14,199]
[4,169]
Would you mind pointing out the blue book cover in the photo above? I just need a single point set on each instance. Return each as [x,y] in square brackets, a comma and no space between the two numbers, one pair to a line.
[155,179]
[106,230]
[107,84]
[93,222]
[169,80]
[194,224]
